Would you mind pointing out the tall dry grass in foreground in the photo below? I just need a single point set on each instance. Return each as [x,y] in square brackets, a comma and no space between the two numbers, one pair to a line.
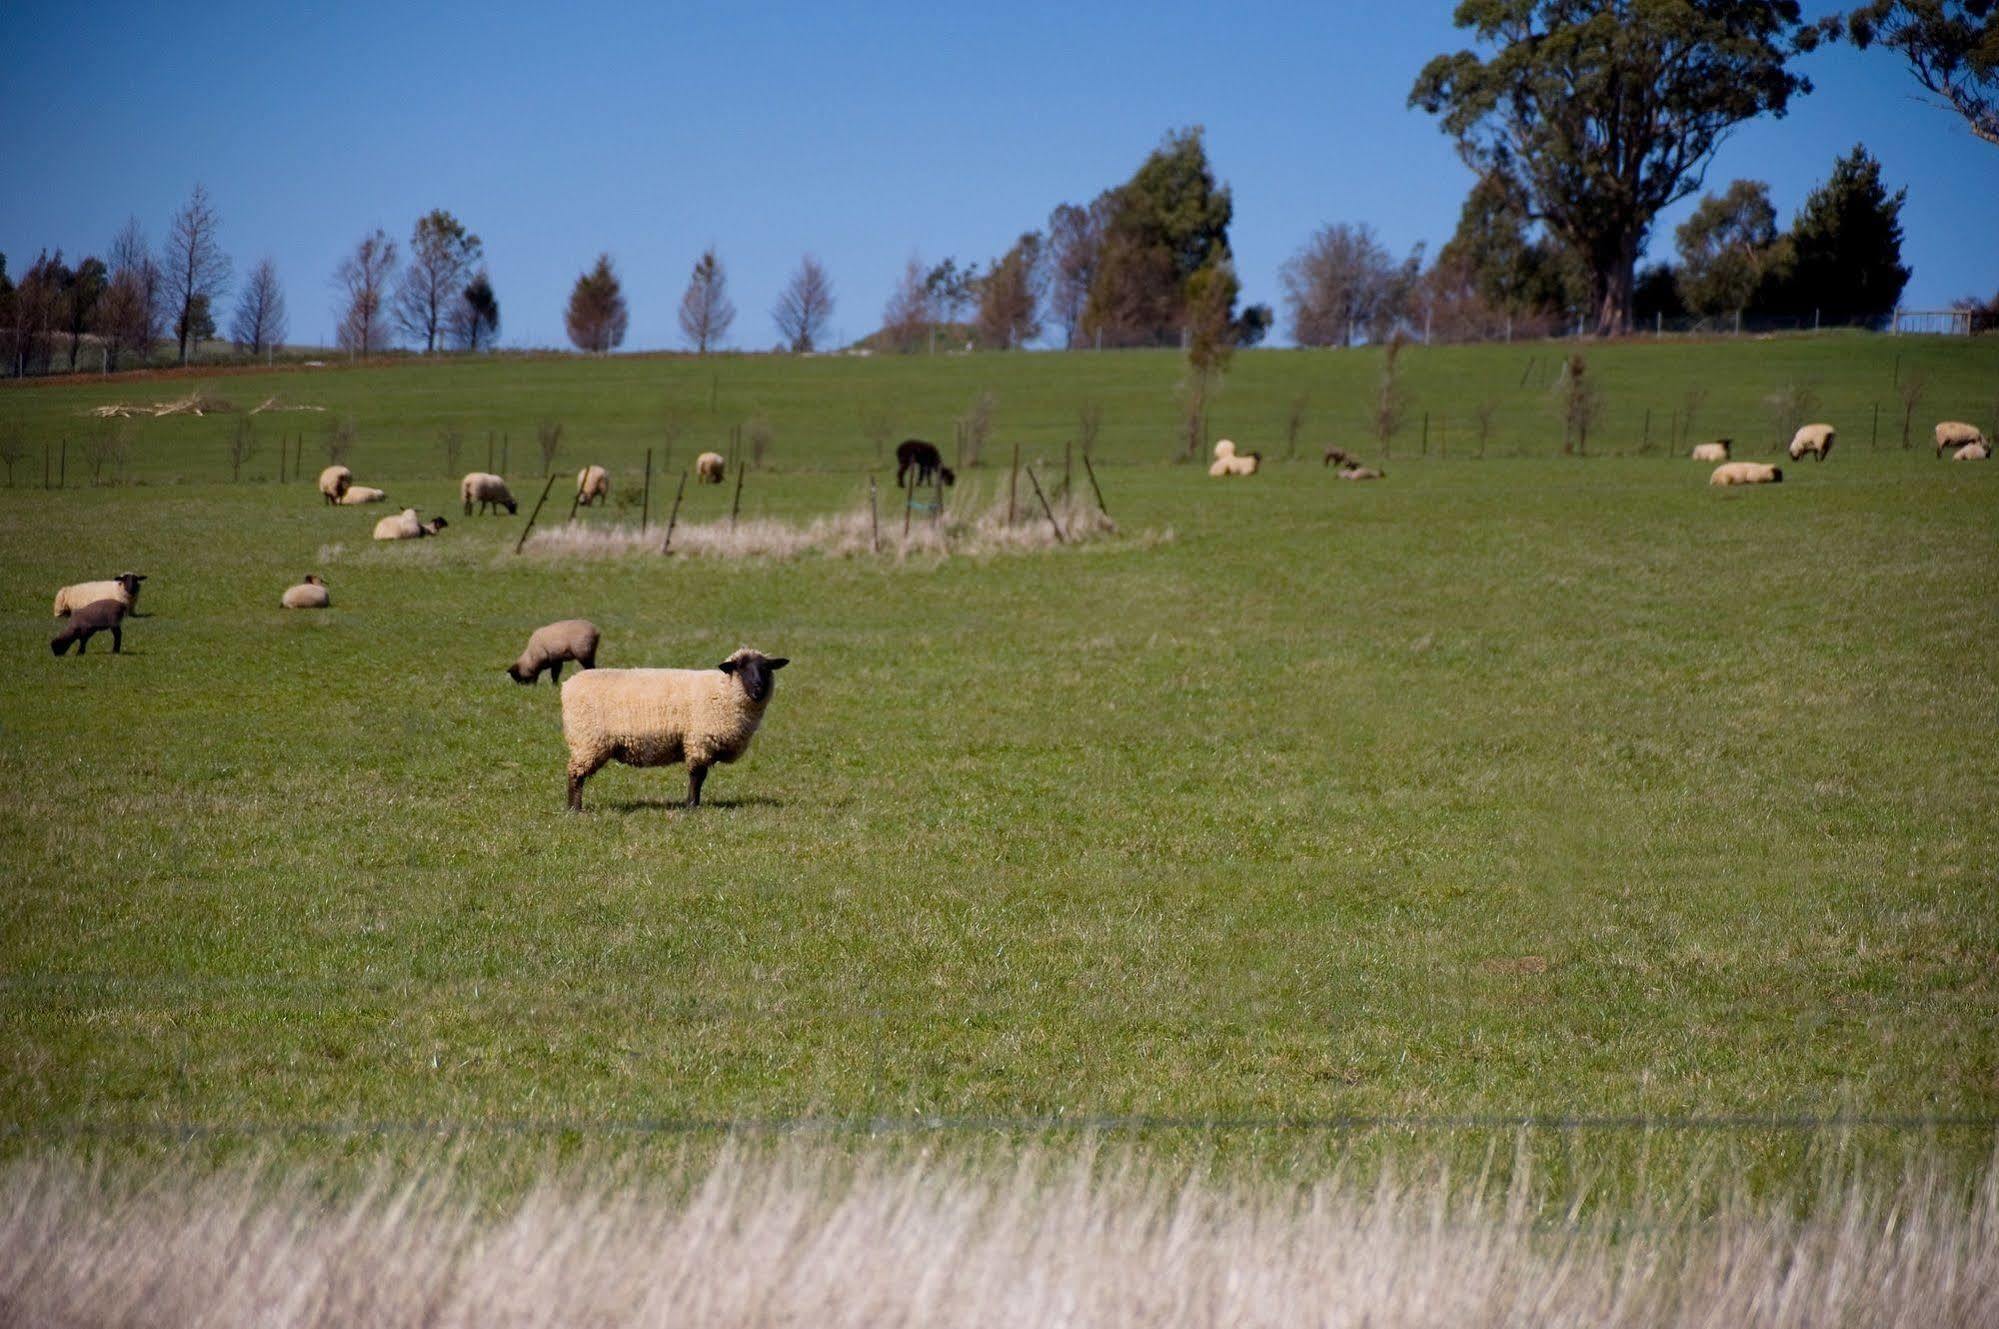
[786,1240]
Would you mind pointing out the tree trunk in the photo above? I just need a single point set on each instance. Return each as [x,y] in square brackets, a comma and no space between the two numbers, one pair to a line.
[1614,281]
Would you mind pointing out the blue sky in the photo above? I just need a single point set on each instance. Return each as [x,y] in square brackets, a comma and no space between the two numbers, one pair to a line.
[862,133]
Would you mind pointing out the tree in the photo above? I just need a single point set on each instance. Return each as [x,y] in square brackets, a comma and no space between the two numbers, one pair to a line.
[1845,254]
[1010,295]
[1499,252]
[705,311]
[363,279]
[1727,248]
[34,313]
[597,315]
[197,325]
[909,314]
[196,267]
[1596,114]
[259,321]
[1342,282]
[805,306]
[953,290]
[1075,246]
[1952,47]
[474,322]
[443,255]
[83,289]
[1164,225]
[129,315]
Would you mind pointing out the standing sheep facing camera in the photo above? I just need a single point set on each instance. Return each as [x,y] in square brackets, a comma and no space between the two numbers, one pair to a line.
[708,468]
[333,483]
[593,485]
[657,717]
[1955,434]
[1815,439]
[124,588]
[1715,451]
[1746,473]
[553,646]
[489,491]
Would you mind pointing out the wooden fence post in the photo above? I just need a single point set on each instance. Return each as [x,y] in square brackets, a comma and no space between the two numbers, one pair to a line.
[737,506]
[674,520]
[62,467]
[532,515]
[1049,512]
[1874,437]
[645,503]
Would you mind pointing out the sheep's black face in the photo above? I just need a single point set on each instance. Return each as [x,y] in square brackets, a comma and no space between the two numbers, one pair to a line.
[1776,476]
[950,476]
[130,581]
[512,507]
[754,672]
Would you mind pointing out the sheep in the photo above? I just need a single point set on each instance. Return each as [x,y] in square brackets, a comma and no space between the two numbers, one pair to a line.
[913,454]
[593,485]
[405,526]
[1230,462]
[1746,473]
[1971,452]
[333,482]
[89,620]
[1358,472]
[708,468]
[1715,451]
[308,594]
[1815,439]
[359,494]
[489,491]
[551,646]
[1958,434]
[123,588]
[656,717]
[1340,455]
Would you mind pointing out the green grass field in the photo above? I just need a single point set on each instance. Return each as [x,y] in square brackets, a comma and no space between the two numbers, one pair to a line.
[1535,784]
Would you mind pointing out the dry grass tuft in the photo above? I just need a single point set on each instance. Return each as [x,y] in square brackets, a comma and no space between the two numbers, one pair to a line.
[794,1239]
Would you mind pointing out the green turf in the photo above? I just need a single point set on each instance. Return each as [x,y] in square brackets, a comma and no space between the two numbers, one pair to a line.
[1532,785]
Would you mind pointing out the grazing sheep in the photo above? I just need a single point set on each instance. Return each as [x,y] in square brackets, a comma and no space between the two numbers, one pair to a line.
[1746,473]
[308,594]
[656,717]
[923,458]
[489,491]
[550,647]
[1815,439]
[593,485]
[333,482]
[359,494]
[1958,434]
[1359,472]
[89,620]
[405,526]
[123,588]
[1971,452]
[1715,451]
[1230,462]
[708,468]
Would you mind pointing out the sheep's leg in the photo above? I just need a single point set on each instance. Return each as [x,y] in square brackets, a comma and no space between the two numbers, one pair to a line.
[117,639]
[555,673]
[695,775]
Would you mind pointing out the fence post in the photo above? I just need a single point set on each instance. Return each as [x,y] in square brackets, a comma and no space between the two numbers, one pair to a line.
[1645,442]
[645,503]
[1013,483]
[1426,433]
[874,519]
[1068,468]
[62,467]
[1874,435]
[1095,488]
[937,510]
[45,464]
[674,520]
[532,515]
[1053,525]
[737,505]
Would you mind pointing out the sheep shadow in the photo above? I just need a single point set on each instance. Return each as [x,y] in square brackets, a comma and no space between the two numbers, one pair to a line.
[627,807]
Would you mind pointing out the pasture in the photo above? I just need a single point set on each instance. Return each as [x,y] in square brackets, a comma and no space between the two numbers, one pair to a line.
[1531,784]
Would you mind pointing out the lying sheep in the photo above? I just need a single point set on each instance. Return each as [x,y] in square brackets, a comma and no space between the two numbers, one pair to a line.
[1341,456]
[1815,439]
[89,620]
[1230,462]
[593,485]
[308,594]
[123,588]
[1971,452]
[333,482]
[1715,451]
[1746,473]
[1359,472]
[552,646]
[489,491]
[405,526]
[359,494]
[656,717]
[708,468]
[1958,434]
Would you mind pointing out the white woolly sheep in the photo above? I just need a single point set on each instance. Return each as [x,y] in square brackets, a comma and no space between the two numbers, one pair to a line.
[593,485]
[1957,434]
[308,594]
[489,491]
[1715,451]
[124,588]
[1359,472]
[359,494]
[1746,473]
[1815,439]
[405,526]
[1230,462]
[333,482]
[708,468]
[552,646]
[1971,452]
[657,717]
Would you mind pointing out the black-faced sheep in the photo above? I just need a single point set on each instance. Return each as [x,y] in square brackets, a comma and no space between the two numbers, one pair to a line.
[708,468]
[123,588]
[914,455]
[405,526]
[308,594]
[1746,473]
[89,620]
[1340,456]
[657,717]
[552,646]
[489,491]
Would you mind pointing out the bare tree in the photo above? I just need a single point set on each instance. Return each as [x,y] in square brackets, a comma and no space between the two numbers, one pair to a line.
[196,267]
[1389,396]
[1481,413]
[129,316]
[597,316]
[1790,406]
[339,442]
[1294,424]
[548,435]
[976,426]
[1089,424]
[1010,295]
[242,447]
[107,445]
[1075,247]
[910,312]
[671,426]
[759,435]
[805,306]
[1910,389]
[363,278]
[443,255]
[706,313]
[1344,281]
[1690,407]
[260,311]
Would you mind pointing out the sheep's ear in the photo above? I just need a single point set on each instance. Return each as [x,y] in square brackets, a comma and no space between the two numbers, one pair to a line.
[779,663]
[727,666]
